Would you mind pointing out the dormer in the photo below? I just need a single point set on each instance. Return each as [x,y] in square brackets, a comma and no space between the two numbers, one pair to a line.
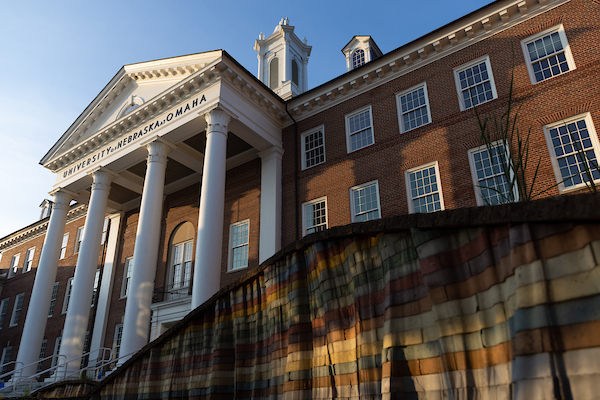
[283,61]
[359,51]
[46,207]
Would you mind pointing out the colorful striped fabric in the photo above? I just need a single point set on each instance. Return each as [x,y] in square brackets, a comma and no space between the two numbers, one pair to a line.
[498,312]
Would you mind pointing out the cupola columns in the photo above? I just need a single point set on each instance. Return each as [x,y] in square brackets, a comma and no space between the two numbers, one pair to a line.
[39,304]
[145,254]
[282,60]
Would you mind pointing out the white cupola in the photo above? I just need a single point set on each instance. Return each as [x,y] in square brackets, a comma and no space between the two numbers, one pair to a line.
[283,61]
[359,51]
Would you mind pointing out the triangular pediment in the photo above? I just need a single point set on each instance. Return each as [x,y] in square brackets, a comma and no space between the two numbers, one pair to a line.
[134,85]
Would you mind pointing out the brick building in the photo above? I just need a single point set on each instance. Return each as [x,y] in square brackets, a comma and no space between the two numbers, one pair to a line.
[187,172]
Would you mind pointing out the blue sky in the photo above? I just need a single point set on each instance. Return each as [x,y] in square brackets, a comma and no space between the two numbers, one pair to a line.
[56,56]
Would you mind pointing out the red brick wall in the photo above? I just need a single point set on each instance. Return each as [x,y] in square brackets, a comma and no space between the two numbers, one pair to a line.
[23,283]
[452,132]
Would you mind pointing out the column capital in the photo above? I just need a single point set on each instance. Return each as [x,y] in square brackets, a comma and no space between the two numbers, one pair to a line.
[271,152]
[158,151]
[62,198]
[102,178]
[217,120]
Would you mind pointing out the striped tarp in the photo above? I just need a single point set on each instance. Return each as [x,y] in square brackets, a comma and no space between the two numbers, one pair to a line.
[501,312]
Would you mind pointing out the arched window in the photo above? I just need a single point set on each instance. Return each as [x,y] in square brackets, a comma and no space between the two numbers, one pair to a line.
[181,254]
[358,58]
[295,72]
[274,73]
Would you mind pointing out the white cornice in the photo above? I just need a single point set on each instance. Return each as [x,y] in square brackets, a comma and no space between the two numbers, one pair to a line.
[38,229]
[489,21]
[178,93]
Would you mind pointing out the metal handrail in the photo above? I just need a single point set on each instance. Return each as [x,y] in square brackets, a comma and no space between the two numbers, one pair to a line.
[9,372]
[55,368]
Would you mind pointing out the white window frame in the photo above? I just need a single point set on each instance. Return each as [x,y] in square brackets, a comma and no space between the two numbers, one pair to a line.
[14,265]
[104,230]
[303,137]
[466,66]
[349,134]
[411,208]
[56,352]
[96,284]
[307,204]
[359,64]
[565,43]
[6,354]
[595,146]
[477,187]
[181,287]
[230,267]
[17,308]
[127,270]
[42,355]
[67,295]
[354,189]
[63,246]
[399,106]
[53,300]
[117,341]
[3,310]
[78,240]
[28,259]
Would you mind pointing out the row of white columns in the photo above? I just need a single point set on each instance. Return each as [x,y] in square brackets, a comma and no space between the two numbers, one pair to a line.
[207,269]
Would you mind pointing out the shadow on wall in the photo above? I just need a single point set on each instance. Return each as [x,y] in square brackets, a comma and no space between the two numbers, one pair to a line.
[465,306]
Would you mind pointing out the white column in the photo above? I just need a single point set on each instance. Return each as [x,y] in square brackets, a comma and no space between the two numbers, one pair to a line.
[207,267]
[45,275]
[270,202]
[78,313]
[106,286]
[136,323]
[304,74]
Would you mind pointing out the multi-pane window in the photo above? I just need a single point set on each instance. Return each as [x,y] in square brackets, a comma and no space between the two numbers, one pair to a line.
[475,83]
[313,148]
[42,355]
[364,200]
[117,344]
[359,129]
[14,320]
[547,54]
[67,295]
[573,146]
[53,299]
[424,189]
[358,58]
[183,254]
[14,264]
[3,311]
[28,260]
[413,108]
[86,349]
[490,168]
[96,283]
[315,215]
[78,239]
[6,359]
[238,249]
[127,276]
[57,344]
[104,230]
[63,246]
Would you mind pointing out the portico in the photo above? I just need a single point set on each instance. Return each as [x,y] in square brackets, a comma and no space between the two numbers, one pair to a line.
[157,128]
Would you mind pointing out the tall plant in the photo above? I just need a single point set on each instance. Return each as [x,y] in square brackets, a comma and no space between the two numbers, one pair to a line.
[504,137]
